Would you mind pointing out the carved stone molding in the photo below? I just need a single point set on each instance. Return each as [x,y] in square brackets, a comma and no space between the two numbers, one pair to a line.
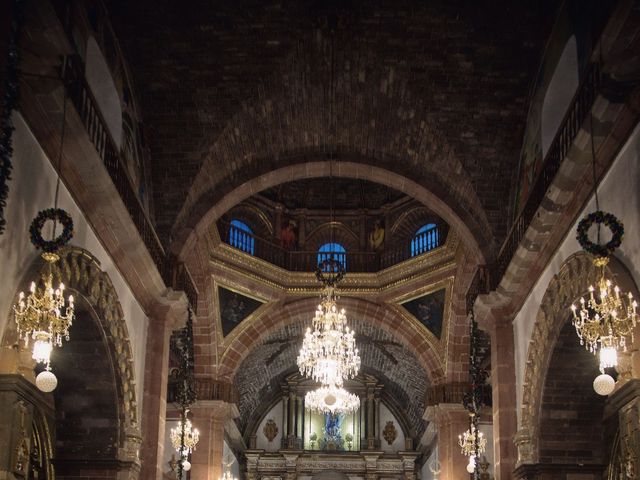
[570,283]
[80,271]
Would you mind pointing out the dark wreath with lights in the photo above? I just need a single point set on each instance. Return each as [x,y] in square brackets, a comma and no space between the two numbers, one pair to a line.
[600,218]
[330,272]
[56,215]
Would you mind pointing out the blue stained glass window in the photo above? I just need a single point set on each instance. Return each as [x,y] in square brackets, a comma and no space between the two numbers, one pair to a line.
[335,251]
[241,237]
[425,239]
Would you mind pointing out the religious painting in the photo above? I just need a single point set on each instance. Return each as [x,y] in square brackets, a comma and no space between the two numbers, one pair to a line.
[429,310]
[234,308]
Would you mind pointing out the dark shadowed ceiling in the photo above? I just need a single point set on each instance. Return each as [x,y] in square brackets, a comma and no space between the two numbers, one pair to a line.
[342,193]
[463,68]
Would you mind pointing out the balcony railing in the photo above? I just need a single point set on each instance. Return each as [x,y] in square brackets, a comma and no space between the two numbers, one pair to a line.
[569,128]
[307,261]
[95,125]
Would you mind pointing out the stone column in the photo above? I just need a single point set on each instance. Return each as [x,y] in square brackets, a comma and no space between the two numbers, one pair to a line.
[167,317]
[409,464]
[210,417]
[451,420]
[277,228]
[363,421]
[371,465]
[371,439]
[503,379]
[291,464]
[252,464]
[291,416]
[624,403]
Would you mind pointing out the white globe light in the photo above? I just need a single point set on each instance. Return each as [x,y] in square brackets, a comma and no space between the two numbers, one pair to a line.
[471,466]
[186,465]
[604,384]
[46,381]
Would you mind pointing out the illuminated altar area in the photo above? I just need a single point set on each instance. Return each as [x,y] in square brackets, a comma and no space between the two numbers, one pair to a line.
[291,442]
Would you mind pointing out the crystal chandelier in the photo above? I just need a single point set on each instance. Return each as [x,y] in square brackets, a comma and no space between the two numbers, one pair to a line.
[187,433]
[331,399]
[44,316]
[329,354]
[467,442]
[605,320]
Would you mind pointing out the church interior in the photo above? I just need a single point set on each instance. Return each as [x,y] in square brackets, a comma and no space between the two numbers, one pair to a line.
[319,239]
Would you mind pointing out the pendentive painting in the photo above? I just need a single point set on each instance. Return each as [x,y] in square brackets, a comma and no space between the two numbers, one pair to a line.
[429,310]
[234,308]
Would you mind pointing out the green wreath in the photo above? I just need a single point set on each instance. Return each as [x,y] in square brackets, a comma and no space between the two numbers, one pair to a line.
[57,215]
[601,218]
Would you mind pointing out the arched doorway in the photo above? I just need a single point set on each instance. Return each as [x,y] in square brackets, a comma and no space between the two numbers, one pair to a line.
[89,424]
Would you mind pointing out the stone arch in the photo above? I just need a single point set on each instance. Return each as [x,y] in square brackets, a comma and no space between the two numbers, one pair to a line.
[570,283]
[375,119]
[81,273]
[196,221]
[335,232]
[420,344]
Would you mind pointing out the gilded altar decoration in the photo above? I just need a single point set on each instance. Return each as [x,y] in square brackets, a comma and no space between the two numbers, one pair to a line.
[270,430]
[390,433]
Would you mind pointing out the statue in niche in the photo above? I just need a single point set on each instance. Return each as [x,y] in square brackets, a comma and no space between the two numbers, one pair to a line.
[376,237]
[288,236]
[333,431]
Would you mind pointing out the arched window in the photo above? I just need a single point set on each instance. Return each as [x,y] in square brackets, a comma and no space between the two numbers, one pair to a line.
[426,238]
[335,251]
[241,236]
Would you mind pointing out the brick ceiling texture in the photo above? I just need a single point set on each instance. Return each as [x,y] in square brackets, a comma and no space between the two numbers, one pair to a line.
[436,91]
[260,374]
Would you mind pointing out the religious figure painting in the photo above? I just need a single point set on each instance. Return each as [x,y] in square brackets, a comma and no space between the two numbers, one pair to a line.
[429,310]
[234,308]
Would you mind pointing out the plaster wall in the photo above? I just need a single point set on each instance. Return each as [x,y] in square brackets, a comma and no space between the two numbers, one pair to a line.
[430,466]
[619,194]
[262,442]
[398,443]
[32,189]
[229,461]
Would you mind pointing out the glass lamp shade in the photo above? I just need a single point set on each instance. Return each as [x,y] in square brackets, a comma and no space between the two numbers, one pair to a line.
[604,384]
[46,381]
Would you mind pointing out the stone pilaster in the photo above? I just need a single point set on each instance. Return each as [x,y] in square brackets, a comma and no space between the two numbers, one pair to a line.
[451,420]
[499,323]
[210,417]
[169,316]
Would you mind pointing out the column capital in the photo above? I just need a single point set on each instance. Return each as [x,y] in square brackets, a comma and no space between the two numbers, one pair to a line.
[446,413]
[171,309]
[492,310]
[215,410]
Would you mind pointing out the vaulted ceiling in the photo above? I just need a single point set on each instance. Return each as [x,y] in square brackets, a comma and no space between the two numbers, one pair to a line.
[259,376]
[435,91]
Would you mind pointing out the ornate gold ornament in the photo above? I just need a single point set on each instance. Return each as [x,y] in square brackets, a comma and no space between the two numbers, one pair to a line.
[270,430]
[390,433]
